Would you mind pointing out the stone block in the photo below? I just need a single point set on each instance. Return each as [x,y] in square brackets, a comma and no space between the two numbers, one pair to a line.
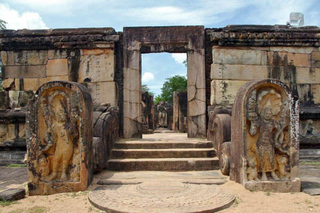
[104,92]
[223,92]
[34,57]
[57,54]
[57,67]
[37,71]
[288,58]
[4,100]
[12,194]
[31,84]
[13,99]
[9,84]
[307,50]
[315,89]
[59,139]
[264,150]
[308,76]
[238,72]
[239,56]
[97,65]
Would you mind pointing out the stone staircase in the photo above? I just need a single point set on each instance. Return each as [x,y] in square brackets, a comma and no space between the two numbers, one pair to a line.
[163,152]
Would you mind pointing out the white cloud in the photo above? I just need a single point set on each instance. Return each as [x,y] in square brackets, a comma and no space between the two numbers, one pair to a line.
[179,57]
[147,76]
[28,20]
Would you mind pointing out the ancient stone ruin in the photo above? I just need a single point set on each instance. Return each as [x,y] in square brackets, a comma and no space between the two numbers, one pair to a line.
[59,139]
[264,151]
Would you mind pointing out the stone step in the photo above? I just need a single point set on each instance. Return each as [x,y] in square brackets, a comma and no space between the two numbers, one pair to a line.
[163,153]
[11,157]
[161,144]
[164,164]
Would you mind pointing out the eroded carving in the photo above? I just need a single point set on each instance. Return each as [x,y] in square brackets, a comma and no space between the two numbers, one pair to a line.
[59,137]
[268,114]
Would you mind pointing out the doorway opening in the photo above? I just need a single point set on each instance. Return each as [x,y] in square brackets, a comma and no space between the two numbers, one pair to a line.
[163,81]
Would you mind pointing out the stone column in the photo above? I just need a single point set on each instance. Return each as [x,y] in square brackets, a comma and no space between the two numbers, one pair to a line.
[175,125]
[132,109]
[196,94]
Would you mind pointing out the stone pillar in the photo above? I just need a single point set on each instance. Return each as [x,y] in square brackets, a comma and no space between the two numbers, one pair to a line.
[175,124]
[264,138]
[132,110]
[59,139]
[196,94]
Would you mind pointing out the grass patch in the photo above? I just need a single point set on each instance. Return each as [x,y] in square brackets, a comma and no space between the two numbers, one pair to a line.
[236,202]
[37,209]
[7,203]
[311,163]
[267,193]
[16,165]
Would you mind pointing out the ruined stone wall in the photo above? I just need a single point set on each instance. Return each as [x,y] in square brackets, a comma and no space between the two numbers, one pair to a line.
[32,57]
[291,55]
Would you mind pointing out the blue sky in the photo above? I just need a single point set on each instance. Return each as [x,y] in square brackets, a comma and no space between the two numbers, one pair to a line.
[42,14]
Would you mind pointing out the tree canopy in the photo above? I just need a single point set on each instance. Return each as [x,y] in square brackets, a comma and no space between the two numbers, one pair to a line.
[2,24]
[176,83]
[145,88]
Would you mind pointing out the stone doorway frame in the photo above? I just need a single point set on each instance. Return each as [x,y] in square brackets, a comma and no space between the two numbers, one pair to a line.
[181,39]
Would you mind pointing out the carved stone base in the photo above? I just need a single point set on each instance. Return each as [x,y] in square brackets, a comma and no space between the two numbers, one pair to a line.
[274,186]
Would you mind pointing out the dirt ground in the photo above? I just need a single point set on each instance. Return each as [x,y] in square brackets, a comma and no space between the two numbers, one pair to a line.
[246,201]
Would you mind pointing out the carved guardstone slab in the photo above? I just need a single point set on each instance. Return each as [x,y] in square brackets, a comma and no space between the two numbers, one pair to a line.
[59,139]
[264,138]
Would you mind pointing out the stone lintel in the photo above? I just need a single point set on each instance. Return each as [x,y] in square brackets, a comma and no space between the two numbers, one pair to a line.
[264,35]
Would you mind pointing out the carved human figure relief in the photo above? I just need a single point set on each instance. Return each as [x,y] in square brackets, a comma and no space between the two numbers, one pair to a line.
[269,118]
[60,139]
[162,117]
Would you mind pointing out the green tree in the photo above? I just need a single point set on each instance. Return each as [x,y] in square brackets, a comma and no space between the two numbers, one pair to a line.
[2,25]
[176,83]
[145,88]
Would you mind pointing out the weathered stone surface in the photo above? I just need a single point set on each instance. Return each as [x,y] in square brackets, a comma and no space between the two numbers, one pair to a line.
[308,76]
[57,67]
[106,131]
[12,194]
[264,138]
[31,84]
[98,155]
[223,92]
[104,92]
[293,49]
[59,139]
[37,71]
[11,58]
[4,100]
[295,59]
[53,78]
[97,65]
[236,56]
[8,84]
[238,72]
[160,196]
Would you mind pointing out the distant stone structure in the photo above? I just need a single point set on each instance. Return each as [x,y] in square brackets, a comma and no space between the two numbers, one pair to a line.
[264,151]
[180,111]
[59,139]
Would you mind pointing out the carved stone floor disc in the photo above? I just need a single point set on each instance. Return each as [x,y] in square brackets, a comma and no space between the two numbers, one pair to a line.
[160,196]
